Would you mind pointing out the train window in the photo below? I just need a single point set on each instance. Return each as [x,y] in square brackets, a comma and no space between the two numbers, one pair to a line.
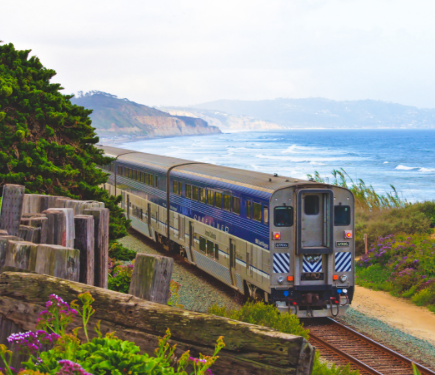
[236,205]
[341,215]
[210,197]
[202,196]
[138,175]
[189,191]
[216,251]
[256,215]
[218,200]
[119,170]
[311,204]
[157,181]
[195,193]
[176,187]
[202,244]
[266,214]
[210,248]
[227,202]
[283,216]
[248,209]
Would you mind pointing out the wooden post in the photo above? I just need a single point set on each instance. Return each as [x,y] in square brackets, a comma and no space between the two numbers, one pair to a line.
[151,277]
[42,224]
[21,254]
[28,233]
[365,243]
[60,226]
[58,261]
[3,244]
[101,244]
[3,232]
[11,207]
[84,242]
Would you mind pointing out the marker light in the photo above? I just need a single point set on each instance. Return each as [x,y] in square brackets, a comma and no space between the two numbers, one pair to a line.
[344,291]
[347,234]
[290,278]
[339,291]
[334,277]
[276,235]
[285,293]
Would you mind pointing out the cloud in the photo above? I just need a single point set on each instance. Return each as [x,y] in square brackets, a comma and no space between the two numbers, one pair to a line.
[172,52]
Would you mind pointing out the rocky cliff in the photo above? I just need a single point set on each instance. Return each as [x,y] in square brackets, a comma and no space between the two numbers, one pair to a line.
[113,117]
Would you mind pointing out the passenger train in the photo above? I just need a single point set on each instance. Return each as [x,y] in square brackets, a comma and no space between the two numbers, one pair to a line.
[285,240]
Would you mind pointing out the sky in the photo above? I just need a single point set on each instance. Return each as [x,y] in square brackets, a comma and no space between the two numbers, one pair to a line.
[176,53]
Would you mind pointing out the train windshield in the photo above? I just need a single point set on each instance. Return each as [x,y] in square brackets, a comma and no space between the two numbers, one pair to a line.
[341,215]
[283,216]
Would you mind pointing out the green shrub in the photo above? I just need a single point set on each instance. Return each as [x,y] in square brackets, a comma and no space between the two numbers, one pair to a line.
[120,252]
[374,277]
[120,276]
[322,368]
[424,297]
[264,315]
[46,142]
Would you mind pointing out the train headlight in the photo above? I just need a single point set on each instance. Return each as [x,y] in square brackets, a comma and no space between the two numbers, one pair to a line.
[276,236]
[281,279]
[343,278]
[347,234]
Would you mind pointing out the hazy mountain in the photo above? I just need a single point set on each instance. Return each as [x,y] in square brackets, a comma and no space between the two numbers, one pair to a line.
[324,113]
[115,117]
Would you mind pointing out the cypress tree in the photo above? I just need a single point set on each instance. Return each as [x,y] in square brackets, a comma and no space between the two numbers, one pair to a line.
[47,144]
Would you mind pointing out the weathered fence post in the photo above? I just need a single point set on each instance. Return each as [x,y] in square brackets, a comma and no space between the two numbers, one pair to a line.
[60,226]
[21,254]
[3,245]
[11,207]
[28,233]
[151,277]
[40,222]
[101,244]
[58,261]
[84,241]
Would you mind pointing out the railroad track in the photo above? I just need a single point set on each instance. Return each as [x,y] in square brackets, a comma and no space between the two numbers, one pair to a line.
[342,345]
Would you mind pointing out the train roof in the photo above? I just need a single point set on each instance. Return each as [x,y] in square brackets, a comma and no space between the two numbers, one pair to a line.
[264,182]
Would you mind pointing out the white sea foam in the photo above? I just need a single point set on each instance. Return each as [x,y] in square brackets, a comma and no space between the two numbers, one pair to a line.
[304,159]
[405,168]
[386,162]
[427,170]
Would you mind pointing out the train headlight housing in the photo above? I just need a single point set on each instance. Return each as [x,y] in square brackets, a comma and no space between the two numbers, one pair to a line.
[347,234]
[343,278]
[281,279]
[276,236]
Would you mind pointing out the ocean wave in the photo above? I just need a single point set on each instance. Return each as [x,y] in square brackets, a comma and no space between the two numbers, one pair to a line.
[294,159]
[427,170]
[296,149]
[385,162]
[405,168]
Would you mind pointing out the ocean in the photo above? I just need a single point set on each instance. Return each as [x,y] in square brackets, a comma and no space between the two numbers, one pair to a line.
[381,157]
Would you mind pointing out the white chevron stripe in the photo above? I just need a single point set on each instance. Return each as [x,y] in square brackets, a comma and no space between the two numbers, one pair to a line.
[281,263]
[312,267]
[343,262]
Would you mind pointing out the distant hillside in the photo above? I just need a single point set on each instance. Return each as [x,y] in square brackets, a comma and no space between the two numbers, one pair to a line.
[324,113]
[114,117]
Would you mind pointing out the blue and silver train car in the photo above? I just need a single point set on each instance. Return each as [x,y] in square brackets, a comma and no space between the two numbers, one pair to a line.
[285,240]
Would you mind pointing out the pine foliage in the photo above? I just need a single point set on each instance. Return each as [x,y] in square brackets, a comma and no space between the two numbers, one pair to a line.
[46,142]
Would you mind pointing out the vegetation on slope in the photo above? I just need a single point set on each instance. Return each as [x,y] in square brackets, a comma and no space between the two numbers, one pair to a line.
[47,143]
[379,215]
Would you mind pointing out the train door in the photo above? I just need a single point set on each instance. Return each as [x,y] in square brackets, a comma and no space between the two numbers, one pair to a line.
[181,228]
[190,253]
[233,256]
[315,221]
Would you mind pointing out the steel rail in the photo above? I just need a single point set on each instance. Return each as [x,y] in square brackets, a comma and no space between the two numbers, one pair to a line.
[398,356]
[357,363]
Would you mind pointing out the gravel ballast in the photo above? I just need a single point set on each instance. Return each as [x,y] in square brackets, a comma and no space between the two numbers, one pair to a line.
[198,291]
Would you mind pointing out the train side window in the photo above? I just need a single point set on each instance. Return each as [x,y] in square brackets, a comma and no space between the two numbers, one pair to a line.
[256,215]
[157,181]
[283,216]
[202,196]
[138,175]
[218,200]
[202,244]
[195,193]
[227,202]
[210,196]
[266,215]
[210,248]
[119,170]
[176,187]
[236,205]
[189,191]
[341,215]
[248,209]
[311,205]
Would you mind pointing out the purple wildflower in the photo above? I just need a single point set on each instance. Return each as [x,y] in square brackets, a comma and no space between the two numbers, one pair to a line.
[71,368]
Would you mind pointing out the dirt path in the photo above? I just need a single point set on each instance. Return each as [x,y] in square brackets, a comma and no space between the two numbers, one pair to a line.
[397,312]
